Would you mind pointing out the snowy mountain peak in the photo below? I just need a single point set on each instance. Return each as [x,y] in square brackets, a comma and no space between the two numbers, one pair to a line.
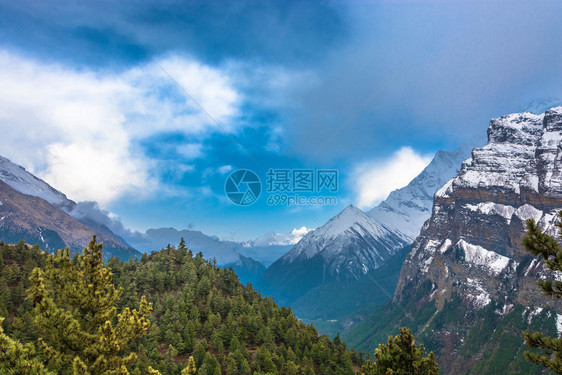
[350,217]
[278,239]
[21,180]
[350,222]
[470,252]
[517,144]
[347,247]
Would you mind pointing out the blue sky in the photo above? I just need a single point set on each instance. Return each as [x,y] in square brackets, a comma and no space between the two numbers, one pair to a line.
[85,106]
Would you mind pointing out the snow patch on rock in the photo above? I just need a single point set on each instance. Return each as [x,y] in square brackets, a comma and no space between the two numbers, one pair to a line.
[445,246]
[479,256]
[527,212]
[477,294]
[491,208]
[446,190]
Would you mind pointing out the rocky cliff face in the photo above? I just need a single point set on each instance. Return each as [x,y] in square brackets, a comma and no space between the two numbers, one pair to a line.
[468,287]
[472,243]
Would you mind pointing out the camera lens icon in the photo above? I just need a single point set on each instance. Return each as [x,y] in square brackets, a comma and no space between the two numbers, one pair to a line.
[242,187]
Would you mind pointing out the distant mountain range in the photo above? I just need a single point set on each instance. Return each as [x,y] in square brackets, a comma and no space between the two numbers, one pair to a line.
[226,253]
[58,222]
[271,246]
[32,210]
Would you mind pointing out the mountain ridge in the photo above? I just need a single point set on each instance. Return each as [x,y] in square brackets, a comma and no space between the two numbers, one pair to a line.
[36,221]
[345,248]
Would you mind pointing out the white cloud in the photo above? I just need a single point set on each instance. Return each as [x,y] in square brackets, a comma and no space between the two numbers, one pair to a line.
[375,180]
[298,234]
[77,128]
[190,150]
[225,169]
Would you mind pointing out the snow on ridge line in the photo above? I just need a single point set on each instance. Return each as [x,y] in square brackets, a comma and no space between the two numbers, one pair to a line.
[447,188]
[524,212]
[478,255]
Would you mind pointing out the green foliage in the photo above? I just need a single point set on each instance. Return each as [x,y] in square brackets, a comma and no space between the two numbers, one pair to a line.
[401,355]
[71,308]
[204,320]
[541,244]
[190,369]
[74,310]
[16,358]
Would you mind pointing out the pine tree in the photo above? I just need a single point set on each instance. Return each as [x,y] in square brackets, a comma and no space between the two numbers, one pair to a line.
[74,309]
[190,369]
[16,358]
[182,246]
[541,244]
[401,355]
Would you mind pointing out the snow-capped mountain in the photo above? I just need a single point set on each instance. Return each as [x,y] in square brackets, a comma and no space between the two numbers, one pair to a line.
[271,246]
[88,213]
[468,268]
[26,183]
[279,239]
[406,209]
[36,221]
[347,247]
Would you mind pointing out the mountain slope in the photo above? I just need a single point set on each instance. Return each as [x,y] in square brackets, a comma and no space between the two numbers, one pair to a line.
[85,212]
[336,305]
[346,248]
[406,209]
[36,221]
[468,287]
[26,183]
[200,310]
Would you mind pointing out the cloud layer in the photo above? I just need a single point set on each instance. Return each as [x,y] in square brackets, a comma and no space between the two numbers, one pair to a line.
[375,180]
[80,129]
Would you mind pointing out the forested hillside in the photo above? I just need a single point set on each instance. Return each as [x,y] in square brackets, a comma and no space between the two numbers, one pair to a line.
[199,310]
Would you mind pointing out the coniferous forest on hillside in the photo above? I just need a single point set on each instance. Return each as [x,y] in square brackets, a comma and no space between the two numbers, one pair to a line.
[200,311]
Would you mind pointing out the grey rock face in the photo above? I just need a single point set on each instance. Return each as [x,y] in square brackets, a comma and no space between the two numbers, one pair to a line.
[472,246]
